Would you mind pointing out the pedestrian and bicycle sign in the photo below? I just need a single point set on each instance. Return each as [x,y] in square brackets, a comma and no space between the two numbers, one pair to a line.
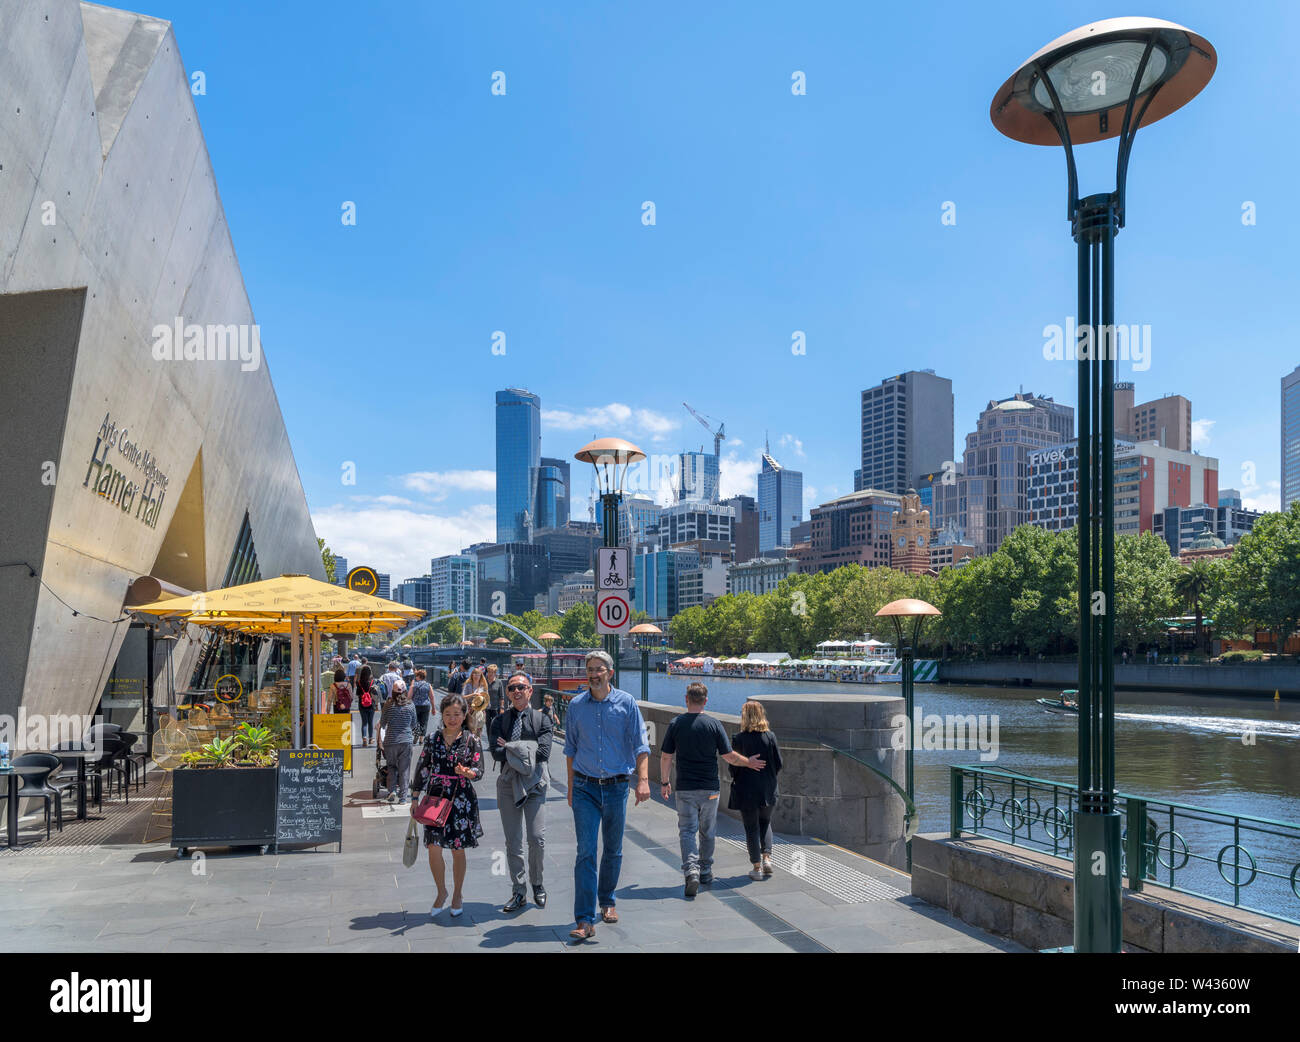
[613,613]
[613,570]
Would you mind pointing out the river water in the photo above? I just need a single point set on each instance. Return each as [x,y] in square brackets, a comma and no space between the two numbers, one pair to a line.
[1234,755]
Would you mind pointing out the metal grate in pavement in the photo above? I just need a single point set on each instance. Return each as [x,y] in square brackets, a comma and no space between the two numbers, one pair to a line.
[836,879]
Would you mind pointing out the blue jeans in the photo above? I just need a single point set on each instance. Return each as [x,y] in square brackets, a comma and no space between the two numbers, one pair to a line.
[597,808]
[697,814]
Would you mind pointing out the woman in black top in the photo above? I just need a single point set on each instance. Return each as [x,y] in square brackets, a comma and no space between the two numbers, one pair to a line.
[754,793]
[366,704]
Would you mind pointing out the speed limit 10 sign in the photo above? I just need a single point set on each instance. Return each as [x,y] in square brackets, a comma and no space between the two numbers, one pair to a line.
[613,613]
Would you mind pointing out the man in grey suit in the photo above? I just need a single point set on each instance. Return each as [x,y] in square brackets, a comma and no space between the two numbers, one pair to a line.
[522,723]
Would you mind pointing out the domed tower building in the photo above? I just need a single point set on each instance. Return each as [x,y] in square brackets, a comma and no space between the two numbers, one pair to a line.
[910,536]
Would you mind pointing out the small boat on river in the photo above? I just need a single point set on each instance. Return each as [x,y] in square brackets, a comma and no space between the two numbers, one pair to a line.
[1067,702]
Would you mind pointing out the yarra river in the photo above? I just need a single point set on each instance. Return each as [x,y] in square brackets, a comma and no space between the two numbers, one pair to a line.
[1169,747]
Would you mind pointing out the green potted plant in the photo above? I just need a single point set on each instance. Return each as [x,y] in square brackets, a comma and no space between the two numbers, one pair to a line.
[223,794]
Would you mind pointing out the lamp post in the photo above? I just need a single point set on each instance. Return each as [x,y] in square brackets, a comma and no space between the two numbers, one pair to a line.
[917,611]
[645,633]
[550,639]
[607,456]
[1100,81]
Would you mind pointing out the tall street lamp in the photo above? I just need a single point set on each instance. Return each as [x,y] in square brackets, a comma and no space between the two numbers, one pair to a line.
[645,634]
[550,639]
[1100,81]
[918,612]
[611,457]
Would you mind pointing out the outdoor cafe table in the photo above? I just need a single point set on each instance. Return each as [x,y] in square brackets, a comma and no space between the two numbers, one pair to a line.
[13,774]
[81,756]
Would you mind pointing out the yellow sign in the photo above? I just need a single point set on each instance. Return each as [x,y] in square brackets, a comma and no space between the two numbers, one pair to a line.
[334,731]
[363,580]
[228,689]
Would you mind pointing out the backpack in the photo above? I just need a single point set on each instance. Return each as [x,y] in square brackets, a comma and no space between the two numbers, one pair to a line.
[343,698]
[380,689]
[367,700]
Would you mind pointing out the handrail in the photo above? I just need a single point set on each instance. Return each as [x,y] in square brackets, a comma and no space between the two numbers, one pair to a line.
[1154,847]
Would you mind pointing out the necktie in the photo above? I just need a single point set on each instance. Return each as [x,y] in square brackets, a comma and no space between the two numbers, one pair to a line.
[518,729]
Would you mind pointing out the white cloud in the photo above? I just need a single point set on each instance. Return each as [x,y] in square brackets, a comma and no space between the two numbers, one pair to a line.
[612,420]
[1269,502]
[734,443]
[438,484]
[1267,497]
[400,541]
[737,476]
[810,495]
[790,441]
[1201,432]
[388,501]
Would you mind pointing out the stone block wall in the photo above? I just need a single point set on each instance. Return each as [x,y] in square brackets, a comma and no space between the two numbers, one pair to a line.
[1029,897]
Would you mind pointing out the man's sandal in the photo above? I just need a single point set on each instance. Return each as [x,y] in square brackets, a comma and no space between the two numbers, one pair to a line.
[609,915]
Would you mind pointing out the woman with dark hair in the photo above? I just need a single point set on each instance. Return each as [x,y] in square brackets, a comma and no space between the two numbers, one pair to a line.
[366,704]
[451,761]
[422,699]
[340,696]
[397,722]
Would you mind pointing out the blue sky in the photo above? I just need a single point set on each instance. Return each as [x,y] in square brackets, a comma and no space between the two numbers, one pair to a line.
[774,213]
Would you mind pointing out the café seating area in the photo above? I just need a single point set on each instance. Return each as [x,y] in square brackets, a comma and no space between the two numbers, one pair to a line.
[106,765]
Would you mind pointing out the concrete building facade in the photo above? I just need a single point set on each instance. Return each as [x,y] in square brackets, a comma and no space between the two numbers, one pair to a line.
[141,430]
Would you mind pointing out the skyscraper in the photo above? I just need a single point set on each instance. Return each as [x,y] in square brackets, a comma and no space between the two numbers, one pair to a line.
[780,503]
[519,456]
[698,477]
[995,474]
[553,495]
[1291,438]
[906,431]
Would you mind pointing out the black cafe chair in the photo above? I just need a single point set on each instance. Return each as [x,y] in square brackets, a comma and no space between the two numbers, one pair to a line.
[37,787]
[71,779]
[109,762]
[133,756]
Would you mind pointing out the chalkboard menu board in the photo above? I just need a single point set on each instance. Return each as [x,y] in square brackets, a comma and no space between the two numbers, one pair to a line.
[309,797]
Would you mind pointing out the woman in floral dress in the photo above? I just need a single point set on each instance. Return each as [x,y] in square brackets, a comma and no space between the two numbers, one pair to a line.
[453,752]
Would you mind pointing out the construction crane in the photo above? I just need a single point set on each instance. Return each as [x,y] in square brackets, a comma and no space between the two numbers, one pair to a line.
[718,436]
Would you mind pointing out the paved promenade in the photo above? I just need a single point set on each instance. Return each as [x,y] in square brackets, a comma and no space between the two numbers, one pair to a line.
[98,888]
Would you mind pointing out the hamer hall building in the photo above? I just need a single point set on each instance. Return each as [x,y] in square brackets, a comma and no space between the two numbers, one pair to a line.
[142,445]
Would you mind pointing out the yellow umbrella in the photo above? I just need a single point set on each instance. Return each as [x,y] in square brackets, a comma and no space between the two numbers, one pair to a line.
[281,597]
[298,605]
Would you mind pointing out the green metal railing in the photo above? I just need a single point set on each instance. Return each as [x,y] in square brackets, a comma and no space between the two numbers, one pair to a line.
[1193,850]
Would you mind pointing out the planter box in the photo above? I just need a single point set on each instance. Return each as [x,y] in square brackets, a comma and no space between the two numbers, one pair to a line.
[223,807]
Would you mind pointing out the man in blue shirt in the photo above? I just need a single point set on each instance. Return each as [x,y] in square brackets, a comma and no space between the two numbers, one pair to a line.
[604,743]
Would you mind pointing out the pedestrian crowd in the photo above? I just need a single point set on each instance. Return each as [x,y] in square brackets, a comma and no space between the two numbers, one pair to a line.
[606,752]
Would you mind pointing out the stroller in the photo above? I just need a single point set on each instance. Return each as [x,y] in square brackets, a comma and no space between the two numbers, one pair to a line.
[381,774]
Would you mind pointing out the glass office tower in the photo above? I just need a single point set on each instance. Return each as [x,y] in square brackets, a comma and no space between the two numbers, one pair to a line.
[519,455]
[780,504]
[1291,438]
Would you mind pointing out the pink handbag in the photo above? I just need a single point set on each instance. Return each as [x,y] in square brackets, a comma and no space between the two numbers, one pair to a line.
[433,810]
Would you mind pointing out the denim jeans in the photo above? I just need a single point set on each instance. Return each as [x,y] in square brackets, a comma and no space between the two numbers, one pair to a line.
[597,809]
[697,812]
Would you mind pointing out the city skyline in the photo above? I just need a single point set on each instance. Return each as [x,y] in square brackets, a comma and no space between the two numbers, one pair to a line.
[786,269]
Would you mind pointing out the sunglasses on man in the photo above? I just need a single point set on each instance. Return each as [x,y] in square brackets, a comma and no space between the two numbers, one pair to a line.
[517,687]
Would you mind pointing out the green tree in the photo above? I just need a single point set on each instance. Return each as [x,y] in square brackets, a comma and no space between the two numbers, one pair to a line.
[1193,585]
[578,627]
[1144,588]
[1264,574]
[328,559]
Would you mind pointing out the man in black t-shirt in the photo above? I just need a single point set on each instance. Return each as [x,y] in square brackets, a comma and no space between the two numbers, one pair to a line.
[697,740]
